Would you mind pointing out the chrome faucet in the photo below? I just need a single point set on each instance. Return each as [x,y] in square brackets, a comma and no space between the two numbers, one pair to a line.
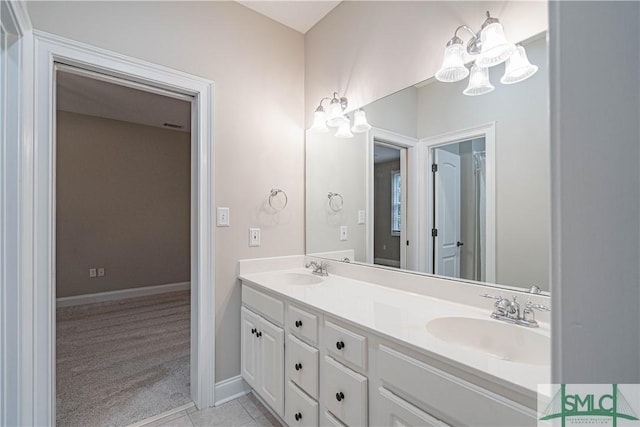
[511,312]
[319,269]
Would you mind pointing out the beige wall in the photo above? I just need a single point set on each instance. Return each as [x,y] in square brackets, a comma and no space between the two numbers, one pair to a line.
[122,203]
[328,161]
[258,68]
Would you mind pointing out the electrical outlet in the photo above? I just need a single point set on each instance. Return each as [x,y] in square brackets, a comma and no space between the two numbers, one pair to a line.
[343,232]
[223,217]
[254,237]
[101,272]
[93,272]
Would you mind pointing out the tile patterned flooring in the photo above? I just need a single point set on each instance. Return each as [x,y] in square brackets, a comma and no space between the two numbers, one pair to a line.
[246,411]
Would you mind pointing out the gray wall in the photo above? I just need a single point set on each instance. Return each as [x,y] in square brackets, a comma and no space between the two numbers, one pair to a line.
[595,105]
[123,203]
[258,69]
[382,212]
[521,114]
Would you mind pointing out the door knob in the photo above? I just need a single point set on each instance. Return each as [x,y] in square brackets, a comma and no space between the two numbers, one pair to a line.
[340,345]
[458,244]
[339,396]
[298,416]
[298,366]
[298,323]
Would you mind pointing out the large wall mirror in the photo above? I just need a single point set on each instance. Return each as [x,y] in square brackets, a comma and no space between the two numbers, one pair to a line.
[443,183]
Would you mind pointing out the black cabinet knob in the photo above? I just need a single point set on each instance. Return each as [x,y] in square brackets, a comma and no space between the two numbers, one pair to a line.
[253,331]
[339,396]
[298,416]
[298,366]
[259,334]
[298,323]
[458,244]
[340,345]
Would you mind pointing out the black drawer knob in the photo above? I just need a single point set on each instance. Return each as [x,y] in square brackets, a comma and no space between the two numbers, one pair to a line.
[259,334]
[298,366]
[298,323]
[339,396]
[298,416]
[253,331]
[340,345]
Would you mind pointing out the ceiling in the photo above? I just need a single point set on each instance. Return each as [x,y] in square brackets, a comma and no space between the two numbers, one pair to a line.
[93,97]
[300,15]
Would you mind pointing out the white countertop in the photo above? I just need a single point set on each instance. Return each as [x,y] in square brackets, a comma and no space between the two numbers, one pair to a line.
[402,316]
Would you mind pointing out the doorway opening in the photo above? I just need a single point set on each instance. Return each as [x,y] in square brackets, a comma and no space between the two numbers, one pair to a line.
[458,203]
[389,204]
[123,240]
[460,227]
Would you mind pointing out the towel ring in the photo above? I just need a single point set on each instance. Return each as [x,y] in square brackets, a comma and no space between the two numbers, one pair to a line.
[274,194]
[335,201]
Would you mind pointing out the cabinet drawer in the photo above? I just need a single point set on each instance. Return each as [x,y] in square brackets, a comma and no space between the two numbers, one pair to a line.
[345,393]
[303,324]
[390,410]
[329,420]
[456,400]
[345,345]
[269,307]
[302,365]
[301,409]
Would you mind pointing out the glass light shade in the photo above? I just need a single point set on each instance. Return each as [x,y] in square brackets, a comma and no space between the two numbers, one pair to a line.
[319,122]
[479,83]
[343,130]
[495,49]
[453,69]
[335,117]
[518,67]
[360,123]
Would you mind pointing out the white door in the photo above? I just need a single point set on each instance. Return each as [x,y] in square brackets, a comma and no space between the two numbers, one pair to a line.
[447,213]
[249,350]
[271,365]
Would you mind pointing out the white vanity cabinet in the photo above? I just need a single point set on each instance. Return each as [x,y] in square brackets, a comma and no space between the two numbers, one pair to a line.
[314,368]
[262,355]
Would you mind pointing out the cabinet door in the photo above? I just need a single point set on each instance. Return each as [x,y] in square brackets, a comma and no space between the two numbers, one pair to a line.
[390,410]
[249,350]
[271,365]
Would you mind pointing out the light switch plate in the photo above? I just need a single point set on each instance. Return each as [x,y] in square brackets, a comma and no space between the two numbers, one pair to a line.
[93,272]
[361,217]
[223,217]
[343,232]
[254,237]
[101,272]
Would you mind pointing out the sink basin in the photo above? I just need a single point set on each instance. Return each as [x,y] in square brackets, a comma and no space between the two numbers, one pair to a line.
[500,340]
[298,279]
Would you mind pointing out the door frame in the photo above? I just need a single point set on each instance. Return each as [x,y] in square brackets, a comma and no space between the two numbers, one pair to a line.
[16,109]
[37,242]
[488,131]
[410,191]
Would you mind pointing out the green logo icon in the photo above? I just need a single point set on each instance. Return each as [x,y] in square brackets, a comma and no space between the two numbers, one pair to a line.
[565,405]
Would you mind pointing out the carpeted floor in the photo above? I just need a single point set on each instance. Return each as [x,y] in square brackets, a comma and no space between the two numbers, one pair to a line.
[123,361]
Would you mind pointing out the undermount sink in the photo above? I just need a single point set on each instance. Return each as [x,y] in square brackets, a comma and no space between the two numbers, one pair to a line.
[500,340]
[298,279]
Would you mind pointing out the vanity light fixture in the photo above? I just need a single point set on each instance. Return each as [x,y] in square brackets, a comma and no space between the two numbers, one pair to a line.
[336,117]
[490,47]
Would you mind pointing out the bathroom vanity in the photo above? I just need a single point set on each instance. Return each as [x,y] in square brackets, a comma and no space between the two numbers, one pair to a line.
[368,346]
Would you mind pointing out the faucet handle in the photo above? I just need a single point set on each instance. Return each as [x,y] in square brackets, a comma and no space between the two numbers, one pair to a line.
[540,307]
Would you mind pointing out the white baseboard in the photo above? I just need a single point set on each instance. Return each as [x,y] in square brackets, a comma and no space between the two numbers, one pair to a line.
[121,294]
[230,389]
[387,262]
